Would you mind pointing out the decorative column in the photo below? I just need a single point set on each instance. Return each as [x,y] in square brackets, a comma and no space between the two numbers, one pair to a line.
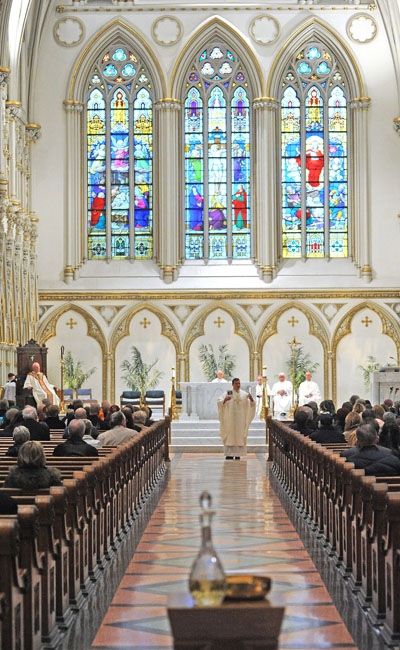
[266,184]
[168,237]
[4,75]
[73,230]
[13,113]
[361,184]
[32,135]
[33,294]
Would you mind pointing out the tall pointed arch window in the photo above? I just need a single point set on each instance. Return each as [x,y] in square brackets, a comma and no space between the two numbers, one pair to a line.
[119,136]
[314,150]
[217,158]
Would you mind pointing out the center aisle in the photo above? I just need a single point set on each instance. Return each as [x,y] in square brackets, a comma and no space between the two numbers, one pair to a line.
[251,532]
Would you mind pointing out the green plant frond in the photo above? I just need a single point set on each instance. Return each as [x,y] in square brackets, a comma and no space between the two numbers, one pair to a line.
[297,366]
[210,363]
[74,375]
[138,375]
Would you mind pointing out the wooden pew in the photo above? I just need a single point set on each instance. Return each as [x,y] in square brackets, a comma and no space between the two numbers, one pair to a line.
[13,584]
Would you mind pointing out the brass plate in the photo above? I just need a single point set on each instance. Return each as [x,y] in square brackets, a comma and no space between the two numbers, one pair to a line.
[247,587]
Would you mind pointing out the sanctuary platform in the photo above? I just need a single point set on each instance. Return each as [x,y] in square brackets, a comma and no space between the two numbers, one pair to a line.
[203,436]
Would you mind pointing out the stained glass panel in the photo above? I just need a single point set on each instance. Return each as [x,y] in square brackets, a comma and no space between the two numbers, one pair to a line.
[314,157]
[119,159]
[217,158]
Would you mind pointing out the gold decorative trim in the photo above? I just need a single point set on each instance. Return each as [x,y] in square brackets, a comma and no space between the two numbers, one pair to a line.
[327,293]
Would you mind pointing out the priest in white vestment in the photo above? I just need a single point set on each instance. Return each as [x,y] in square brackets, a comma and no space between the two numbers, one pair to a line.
[219,378]
[282,392]
[259,395]
[236,409]
[38,383]
[309,390]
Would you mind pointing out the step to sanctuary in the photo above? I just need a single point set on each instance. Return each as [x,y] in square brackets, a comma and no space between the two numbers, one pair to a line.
[203,436]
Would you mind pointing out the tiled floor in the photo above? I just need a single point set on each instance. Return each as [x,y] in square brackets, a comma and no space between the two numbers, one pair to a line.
[252,532]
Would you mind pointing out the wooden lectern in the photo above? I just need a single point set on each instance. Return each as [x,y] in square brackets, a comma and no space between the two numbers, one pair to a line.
[234,625]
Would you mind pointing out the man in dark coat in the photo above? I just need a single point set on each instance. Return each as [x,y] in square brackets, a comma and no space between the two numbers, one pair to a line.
[367,455]
[38,430]
[75,446]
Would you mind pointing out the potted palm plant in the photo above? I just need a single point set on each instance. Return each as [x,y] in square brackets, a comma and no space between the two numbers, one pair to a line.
[211,363]
[73,374]
[139,375]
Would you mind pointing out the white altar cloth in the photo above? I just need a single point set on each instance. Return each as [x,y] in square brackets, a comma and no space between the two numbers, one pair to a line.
[199,399]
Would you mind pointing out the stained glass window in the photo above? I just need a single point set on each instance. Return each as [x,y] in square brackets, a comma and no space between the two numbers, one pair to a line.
[217,158]
[119,132]
[314,149]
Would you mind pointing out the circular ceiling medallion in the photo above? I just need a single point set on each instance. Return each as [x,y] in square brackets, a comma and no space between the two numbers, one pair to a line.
[362,28]
[166,30]
[264,29]
[69,31]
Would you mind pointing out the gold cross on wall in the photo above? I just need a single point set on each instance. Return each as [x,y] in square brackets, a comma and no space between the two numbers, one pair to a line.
[292,321]
[366,321]
[71,323]
[145,322]
[219,322]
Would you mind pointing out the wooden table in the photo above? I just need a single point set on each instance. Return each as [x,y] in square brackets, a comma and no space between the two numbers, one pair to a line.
[234,625]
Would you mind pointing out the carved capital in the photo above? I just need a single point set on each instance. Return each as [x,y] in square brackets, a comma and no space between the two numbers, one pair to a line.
[72,106]
[396,123]
[265,104]
[360,103]
[13,110]
[32,133]
[168,104]
[4,76]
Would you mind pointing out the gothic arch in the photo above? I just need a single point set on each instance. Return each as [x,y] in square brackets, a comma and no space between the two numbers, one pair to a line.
[196,330]
[316,328]
[215,28]
[121,31]
[47,330]
[389,327]
[121,331]
[314,29]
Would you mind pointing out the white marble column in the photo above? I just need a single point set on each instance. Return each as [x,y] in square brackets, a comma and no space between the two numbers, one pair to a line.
[266,186]
[360,188]
[4,75]
[168,229]
[13,112]
[73,231]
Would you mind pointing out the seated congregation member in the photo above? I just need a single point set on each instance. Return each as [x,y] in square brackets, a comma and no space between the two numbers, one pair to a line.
[351,424]
[81,414]
[139,419]
[315,414]
[13,419]
[75,445]
[52,420]
[367,455]
[38,430]
[389,436]
[4,406]
[88,434]
[31,473]
[20,435]
[340,418]
[149,413]
[302,418]
[327,432]
[96,420]
[327,406]
[118,433]
[128,412]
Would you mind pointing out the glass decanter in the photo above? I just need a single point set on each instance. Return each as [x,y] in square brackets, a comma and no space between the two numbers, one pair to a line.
[207,578]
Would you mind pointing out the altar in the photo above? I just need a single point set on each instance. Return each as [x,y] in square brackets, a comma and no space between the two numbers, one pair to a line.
[199,399]
[386,384]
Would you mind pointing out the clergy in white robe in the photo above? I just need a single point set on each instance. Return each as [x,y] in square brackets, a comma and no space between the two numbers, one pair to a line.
[236,409]
[259,395]
[309,390]
[38,383]
[282,393]
[219,378]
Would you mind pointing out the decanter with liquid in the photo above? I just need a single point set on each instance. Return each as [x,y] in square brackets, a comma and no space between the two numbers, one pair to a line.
[207,583]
